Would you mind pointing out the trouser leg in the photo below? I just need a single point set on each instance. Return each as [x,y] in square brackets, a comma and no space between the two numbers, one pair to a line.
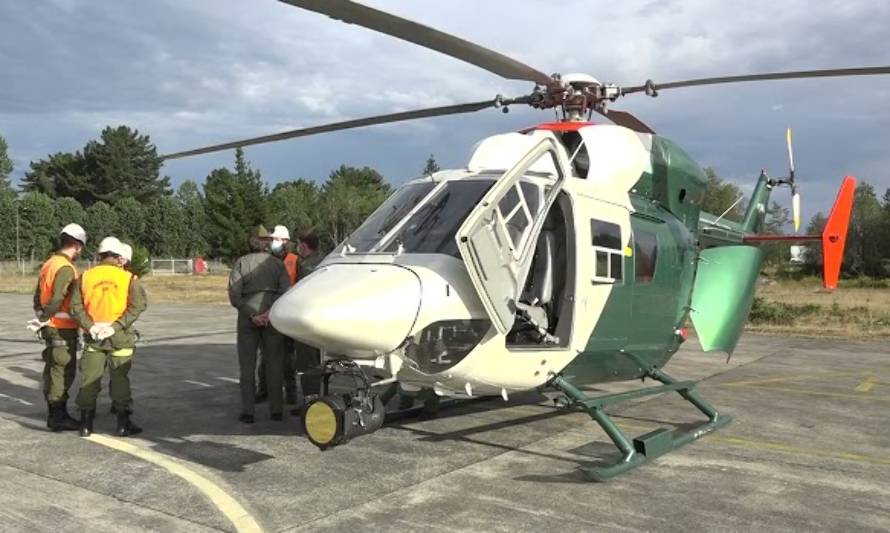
[289,368]
[92,366]
[59,358]
[307,357]
[71,365]
[273,351]
[248,342]
[262,387]
[121,395]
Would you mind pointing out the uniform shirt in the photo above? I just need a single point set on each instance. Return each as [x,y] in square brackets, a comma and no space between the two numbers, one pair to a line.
[124,331]
[256,281]
[61,286]
[307,265]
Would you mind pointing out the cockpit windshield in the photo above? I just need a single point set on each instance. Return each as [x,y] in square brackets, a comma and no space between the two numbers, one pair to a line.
[390,213]
[432,228]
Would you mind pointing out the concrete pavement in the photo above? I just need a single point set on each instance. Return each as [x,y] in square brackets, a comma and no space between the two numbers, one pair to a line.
[809,449]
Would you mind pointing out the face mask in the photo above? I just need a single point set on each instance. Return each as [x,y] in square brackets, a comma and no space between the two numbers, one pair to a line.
[277,245]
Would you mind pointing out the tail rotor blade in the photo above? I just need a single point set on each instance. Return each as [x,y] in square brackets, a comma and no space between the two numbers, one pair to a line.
[795,210]
[790,153]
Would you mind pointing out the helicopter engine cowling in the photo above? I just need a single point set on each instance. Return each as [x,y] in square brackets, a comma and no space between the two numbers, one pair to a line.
[356,310]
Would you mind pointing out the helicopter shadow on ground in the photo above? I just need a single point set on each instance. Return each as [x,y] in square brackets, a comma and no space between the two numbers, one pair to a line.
[473,435]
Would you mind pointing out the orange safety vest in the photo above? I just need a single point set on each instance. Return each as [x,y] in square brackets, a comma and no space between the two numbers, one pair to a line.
[291,263]
[106,292]
[62,319]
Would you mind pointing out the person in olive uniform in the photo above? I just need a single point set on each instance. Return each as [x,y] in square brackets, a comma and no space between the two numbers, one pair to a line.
[106,303]
[255,282]
[52,302]
[307,357]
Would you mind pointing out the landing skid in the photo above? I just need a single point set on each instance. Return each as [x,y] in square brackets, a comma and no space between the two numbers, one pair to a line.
[651,445]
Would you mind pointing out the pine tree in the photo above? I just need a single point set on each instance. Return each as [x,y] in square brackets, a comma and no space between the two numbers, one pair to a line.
[6,168]
[38,226]
[349,195]
[293,204]
[431,166]
[195,219]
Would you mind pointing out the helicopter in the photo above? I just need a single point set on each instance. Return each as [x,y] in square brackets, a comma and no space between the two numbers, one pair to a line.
[566,254]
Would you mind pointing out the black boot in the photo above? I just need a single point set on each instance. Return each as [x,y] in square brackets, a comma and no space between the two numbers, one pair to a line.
[49,414]
[125,427]
[86,422]
[60,420]
[63,406]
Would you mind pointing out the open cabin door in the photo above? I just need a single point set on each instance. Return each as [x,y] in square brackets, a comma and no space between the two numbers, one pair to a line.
[497,239]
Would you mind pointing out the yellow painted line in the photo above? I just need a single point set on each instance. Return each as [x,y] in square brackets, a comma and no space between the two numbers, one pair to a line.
[227,505]
[787,448]
[866,385]
[792,378]
[822,393]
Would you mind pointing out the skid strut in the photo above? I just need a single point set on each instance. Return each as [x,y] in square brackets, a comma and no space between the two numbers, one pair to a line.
[648,446]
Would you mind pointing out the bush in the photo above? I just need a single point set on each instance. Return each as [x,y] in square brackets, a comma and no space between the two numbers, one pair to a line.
[779,313]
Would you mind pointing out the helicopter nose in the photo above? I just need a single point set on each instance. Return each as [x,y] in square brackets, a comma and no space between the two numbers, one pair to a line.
[353,310]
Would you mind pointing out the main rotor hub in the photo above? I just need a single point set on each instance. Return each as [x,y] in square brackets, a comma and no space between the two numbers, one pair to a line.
[576,94]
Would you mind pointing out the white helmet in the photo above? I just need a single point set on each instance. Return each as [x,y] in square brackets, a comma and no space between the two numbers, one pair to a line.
[280,232]
[75,232]
[110,245]
[126,251]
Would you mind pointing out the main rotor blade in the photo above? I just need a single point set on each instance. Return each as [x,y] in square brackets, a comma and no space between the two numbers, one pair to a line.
[345,125]
[623,118]
[407,30]
[827,73]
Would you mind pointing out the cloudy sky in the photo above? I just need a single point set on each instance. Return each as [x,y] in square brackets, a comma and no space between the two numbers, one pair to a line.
[206,71]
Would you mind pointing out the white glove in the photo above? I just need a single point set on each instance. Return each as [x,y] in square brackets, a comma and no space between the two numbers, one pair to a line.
[101,331]
[35,325]
[106,332]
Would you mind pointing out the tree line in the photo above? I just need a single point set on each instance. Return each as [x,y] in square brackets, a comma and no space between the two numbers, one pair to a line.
[114,186]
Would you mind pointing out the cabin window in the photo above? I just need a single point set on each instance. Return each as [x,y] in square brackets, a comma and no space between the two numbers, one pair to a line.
[608,253]
[645,254]
[517,209]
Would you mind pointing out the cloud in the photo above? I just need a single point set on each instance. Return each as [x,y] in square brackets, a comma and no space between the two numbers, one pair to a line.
[202,72]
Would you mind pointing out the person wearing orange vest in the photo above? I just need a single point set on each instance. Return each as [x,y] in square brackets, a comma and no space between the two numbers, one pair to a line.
[106,303]
[52,302]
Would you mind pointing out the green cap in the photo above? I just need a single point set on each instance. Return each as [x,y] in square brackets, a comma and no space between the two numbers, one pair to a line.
[260,232]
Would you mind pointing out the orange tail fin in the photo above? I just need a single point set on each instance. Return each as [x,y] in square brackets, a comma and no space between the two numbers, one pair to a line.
[834,236]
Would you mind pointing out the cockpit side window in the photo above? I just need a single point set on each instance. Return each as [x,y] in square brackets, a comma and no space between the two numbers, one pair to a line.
[431,229]
[390,213]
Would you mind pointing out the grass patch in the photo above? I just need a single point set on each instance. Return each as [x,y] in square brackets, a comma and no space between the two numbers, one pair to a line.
[857,309]
[161,289]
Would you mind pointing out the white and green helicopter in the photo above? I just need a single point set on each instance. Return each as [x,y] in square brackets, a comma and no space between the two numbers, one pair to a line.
[566,254]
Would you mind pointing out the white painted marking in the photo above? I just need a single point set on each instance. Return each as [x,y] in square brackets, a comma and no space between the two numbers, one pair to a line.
[230,380]
[229,506]
[14,399]
[199,383]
